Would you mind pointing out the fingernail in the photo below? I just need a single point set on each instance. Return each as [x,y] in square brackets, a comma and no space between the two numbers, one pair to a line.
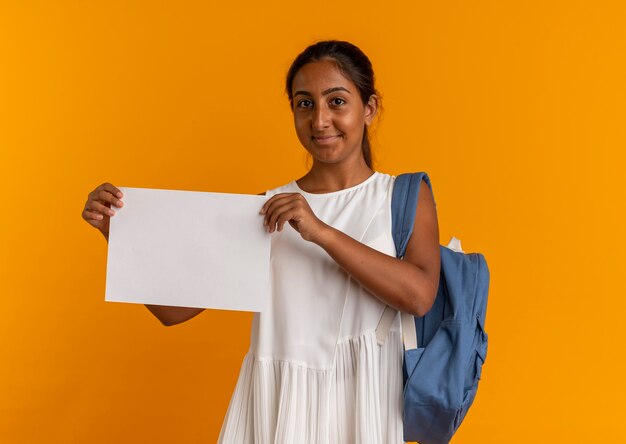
[119,194]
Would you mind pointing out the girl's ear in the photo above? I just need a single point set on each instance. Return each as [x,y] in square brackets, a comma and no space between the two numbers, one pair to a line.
[371,108]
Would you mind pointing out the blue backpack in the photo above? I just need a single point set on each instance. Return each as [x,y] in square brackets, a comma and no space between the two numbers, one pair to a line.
[444,350]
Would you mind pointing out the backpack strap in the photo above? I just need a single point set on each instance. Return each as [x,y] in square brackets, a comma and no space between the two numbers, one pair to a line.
[403,206]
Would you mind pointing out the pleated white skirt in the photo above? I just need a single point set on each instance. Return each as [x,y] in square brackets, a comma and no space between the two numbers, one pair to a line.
[358,400]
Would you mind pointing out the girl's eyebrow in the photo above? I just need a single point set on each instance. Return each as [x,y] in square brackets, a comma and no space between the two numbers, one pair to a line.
[324,93]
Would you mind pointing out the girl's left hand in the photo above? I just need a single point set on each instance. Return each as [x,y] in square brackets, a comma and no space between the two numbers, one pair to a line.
[292,208]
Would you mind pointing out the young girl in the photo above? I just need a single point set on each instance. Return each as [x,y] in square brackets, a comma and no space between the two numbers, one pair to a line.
[314,372]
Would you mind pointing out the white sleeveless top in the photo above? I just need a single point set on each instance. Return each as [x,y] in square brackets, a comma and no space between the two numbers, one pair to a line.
[314,372]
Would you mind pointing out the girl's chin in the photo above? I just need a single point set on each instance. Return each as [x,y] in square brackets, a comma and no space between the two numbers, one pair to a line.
[326,159]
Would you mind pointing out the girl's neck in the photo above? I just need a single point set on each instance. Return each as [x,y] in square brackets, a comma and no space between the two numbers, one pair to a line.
[327,178]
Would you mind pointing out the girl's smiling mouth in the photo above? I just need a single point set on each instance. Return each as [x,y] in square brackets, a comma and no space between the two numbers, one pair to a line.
[325,139]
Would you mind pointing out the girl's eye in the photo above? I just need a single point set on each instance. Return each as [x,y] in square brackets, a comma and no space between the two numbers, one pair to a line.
[337,98]
[301,102]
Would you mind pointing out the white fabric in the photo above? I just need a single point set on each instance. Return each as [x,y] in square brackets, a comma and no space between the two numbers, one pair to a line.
[315,372]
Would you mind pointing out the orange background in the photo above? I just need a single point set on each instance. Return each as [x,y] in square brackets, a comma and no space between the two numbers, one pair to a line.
[515,109]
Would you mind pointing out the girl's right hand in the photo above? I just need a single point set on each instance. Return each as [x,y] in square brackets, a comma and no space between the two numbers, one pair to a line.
[97,211]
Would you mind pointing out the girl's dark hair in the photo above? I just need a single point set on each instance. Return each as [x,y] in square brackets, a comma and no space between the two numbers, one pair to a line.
[352,63]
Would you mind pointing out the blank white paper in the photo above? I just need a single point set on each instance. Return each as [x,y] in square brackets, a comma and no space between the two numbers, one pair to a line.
[189,249]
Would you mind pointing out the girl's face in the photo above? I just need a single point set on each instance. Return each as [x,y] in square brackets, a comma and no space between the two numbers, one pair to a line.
[328,113]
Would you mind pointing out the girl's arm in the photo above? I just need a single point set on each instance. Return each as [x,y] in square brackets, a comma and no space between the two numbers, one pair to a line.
[408,285]
[173,315]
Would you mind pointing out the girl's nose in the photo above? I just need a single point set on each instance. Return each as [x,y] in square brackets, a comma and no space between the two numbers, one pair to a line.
[321,118]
